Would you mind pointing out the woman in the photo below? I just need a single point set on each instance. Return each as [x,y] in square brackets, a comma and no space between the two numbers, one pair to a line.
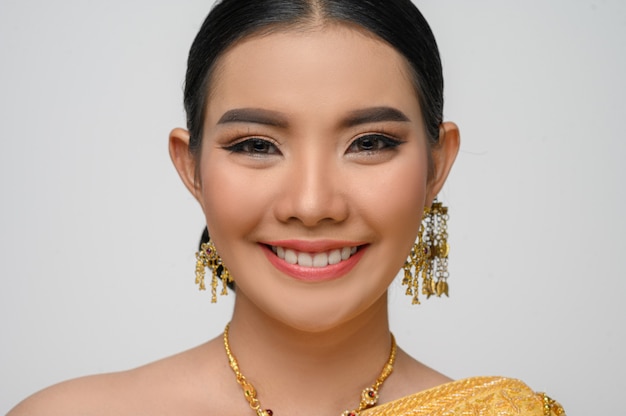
[316,148]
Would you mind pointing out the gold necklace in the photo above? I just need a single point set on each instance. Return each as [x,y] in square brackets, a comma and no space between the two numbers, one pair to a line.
[369,396]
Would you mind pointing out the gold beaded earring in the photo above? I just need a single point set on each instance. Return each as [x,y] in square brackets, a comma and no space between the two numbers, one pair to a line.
[207,257]
[429,255]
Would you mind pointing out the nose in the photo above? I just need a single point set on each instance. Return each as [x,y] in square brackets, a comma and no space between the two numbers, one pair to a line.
[313,192]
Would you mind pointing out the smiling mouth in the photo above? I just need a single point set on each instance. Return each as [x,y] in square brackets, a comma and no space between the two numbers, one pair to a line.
[314,260]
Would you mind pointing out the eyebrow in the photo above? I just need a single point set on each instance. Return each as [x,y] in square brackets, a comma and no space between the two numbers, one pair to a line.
[255,116]
[374,115]
[276,119]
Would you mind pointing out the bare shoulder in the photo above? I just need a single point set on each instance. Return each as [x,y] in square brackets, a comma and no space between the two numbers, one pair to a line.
[72,397]
[186,383]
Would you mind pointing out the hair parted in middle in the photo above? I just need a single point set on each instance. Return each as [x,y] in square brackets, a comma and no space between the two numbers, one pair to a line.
[397,22]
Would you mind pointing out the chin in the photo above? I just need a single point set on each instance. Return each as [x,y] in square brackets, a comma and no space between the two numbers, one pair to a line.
[325,313]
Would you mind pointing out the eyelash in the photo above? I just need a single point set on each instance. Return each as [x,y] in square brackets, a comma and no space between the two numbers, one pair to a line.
[381,143]
[258,146]
[247,146]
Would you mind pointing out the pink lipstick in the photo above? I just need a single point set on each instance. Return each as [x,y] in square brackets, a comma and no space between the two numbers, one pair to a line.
[314,261]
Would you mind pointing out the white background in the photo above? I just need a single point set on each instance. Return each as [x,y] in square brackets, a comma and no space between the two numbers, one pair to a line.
[97,235]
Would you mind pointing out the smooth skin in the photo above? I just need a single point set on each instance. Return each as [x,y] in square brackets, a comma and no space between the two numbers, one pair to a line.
[310,136]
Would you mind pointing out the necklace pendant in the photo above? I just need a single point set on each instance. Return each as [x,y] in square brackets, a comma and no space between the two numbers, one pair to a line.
[369,396]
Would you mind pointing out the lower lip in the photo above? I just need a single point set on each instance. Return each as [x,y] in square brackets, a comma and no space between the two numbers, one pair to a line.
[314,274]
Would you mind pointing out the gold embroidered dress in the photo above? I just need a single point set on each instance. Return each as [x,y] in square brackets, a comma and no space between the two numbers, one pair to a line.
[476,396]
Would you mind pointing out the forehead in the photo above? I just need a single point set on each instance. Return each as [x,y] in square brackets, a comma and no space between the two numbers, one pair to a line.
[329,69]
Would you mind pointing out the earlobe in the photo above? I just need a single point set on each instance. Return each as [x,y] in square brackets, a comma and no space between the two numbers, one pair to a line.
[444,155]
[184,161]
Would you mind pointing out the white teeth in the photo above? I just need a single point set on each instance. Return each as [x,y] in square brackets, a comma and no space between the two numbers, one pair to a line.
[305,260]
[322,259]
[291,257]
[334,257]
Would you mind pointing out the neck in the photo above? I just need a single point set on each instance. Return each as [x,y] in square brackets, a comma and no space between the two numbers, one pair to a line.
[294,368]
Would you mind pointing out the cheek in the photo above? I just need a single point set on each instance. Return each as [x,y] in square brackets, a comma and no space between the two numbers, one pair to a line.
[394,208]
[234,200]
[395,199]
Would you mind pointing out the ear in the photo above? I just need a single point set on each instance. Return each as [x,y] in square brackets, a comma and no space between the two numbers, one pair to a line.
[184,161]
[444,154]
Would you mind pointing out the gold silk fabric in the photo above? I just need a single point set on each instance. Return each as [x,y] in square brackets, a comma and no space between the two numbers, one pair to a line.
[476,396]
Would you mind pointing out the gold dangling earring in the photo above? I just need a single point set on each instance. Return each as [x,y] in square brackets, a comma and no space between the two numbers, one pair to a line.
[429,255]
[207,257]
[416,261]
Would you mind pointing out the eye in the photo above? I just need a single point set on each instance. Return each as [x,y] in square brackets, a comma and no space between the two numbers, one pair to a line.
[371,143]
[254,146]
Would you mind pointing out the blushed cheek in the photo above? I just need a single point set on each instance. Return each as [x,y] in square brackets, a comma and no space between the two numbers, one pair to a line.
[236,200]
[399,200]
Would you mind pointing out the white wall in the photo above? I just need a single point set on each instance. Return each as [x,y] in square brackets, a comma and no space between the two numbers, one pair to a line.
[97,235]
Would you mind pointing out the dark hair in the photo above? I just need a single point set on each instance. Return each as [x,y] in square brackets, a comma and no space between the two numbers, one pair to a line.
[398,22]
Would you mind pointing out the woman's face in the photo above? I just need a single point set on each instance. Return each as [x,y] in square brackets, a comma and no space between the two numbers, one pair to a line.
[313,172]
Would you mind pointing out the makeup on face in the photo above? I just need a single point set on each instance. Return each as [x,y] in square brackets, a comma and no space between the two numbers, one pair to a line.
[314,261]
[314,170]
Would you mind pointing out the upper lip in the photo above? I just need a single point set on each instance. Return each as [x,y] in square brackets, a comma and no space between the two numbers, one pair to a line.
[315,246]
